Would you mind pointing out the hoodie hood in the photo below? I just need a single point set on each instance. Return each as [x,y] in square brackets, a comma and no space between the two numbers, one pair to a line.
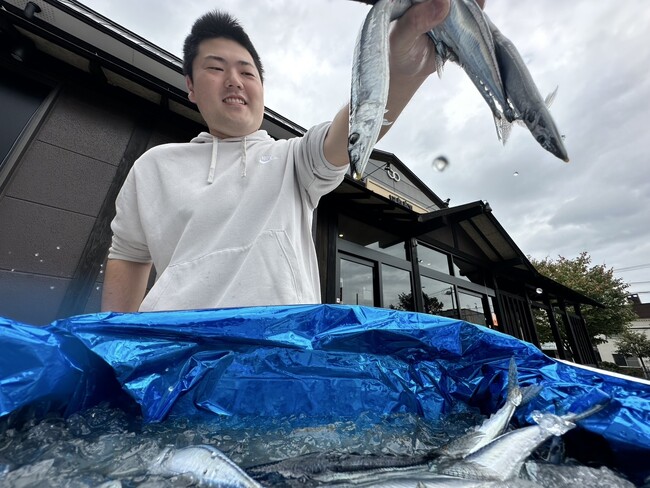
[206,138]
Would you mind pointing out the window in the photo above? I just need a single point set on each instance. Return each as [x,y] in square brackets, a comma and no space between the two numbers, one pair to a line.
[436,260]
[370,237]
[471,308]
[439,298]
[396,288]
[356,283]
[20,97]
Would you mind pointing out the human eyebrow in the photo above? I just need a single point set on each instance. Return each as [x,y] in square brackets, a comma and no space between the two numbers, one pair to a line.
[241,62]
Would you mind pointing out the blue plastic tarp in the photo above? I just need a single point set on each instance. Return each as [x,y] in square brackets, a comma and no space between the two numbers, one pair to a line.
[324,361]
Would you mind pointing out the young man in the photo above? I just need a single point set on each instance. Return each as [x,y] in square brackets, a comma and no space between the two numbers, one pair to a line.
[226,219]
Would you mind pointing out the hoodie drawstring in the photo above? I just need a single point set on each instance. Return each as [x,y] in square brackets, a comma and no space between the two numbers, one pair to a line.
[213,160]
[243,158]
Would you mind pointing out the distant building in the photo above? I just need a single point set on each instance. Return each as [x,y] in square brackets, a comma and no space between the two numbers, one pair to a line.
[641,324]
[82,98]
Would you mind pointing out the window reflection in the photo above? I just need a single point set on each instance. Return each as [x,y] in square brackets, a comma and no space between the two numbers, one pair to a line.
[356,285]
[471,308]
[396,286]
[439,298]
[432,259]
[468,271]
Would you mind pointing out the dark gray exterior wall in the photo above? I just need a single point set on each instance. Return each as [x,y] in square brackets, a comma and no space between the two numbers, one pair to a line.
[58,188]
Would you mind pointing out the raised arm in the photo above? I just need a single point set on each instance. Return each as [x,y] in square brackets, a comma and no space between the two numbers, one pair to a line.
[412,60]
[125,283]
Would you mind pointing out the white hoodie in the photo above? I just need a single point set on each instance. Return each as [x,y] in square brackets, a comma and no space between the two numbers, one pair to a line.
[226,222]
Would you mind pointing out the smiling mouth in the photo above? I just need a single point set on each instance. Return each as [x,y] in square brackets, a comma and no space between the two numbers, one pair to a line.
[235,101]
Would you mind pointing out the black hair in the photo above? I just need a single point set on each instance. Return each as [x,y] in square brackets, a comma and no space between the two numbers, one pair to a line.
[213,25]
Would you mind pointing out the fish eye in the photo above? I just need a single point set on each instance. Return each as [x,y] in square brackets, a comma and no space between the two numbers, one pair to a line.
[354,138]
[531,117]
[541,139]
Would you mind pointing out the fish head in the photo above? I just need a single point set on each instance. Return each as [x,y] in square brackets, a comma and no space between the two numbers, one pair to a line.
[546,134]
[355,150]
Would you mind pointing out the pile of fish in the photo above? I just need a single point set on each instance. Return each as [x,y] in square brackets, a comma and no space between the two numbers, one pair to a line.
[466,37]
[486,456]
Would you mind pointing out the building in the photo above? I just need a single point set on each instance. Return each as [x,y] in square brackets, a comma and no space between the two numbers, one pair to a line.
[641,324]
[82,98]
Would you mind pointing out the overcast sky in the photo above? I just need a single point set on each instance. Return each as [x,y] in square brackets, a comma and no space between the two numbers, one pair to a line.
[597,52]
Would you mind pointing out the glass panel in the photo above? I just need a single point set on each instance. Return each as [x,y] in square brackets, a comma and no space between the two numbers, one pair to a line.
[431,259]
[439,298]
[468,271]
[369,236]
[397,250]
[396,288]
[19,99]
[471,308]
[356,284]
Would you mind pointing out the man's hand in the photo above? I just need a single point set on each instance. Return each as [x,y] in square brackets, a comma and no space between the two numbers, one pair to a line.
[412,54]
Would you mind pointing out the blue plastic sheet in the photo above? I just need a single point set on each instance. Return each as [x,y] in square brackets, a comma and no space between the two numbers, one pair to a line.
[323,361]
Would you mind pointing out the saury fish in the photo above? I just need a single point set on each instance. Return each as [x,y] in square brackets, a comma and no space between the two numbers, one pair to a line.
[493,426]
[370,79]
[465,38]
[503,458]
[523,95]
[205,464]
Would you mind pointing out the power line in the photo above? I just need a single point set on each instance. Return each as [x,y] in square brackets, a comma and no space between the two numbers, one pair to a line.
[630,268]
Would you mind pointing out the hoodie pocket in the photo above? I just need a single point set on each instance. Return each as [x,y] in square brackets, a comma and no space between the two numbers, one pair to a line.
[264,272]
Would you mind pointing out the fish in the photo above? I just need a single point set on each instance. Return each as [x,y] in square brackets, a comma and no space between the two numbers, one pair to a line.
[464,37]
[503,458]
[493,426]
[524,96]
[329,467]
[469,38]
[370,81]
[205,464]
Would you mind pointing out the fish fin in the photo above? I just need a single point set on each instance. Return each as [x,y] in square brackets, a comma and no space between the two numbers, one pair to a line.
[386,121]
[503,128]
[550,98]
[440,64]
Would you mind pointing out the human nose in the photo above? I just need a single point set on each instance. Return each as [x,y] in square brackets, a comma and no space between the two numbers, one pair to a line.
[233,80]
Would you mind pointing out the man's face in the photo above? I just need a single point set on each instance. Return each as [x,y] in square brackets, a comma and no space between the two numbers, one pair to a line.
[227,88]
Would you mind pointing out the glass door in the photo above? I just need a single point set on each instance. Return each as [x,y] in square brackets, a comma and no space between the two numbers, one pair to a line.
[357,282]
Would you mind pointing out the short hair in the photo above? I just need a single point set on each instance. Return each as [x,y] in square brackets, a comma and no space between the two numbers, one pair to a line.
[212,25]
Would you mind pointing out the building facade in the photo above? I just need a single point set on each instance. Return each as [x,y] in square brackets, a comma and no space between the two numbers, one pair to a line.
[607,350]
[84,98]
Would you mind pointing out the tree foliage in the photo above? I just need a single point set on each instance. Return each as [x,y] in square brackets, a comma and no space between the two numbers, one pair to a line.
[634,344]
[597,282]
[431,304]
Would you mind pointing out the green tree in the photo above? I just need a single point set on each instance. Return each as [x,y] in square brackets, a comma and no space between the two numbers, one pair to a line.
[634,344]
[431,304]
[597,282]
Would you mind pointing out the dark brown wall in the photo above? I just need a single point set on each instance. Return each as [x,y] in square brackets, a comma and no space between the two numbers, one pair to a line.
[49,208]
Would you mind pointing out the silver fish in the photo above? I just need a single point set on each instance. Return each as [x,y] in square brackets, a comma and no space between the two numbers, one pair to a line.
[464,37]
[523,95]
[493,426]
[370,80]
[204,464]
[504,457]
[329,467]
